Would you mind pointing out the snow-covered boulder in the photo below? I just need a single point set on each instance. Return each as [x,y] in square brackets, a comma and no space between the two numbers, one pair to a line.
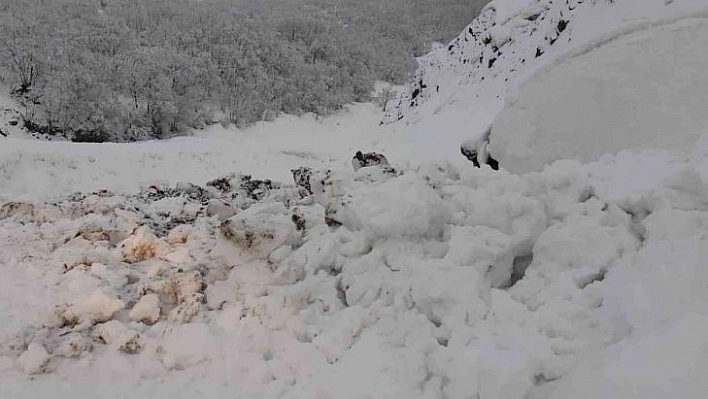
[179,234]
[73,345]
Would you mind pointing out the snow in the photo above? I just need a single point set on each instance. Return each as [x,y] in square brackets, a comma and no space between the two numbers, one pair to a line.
[421,304]
[666,363]
[410,280]
[643,90]
[462,87]
[507,9]
[40,170]
[34,360]
[147,309]
[186,346]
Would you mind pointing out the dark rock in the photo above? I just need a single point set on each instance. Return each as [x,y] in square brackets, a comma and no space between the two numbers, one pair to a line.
[222,184]
[299,222]
[362,160]
[471,155]
[256,189]
[331,218]
[302,176]
[493,163]
[562,24]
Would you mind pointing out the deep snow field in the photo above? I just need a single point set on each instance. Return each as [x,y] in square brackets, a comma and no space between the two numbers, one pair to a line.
[159,269]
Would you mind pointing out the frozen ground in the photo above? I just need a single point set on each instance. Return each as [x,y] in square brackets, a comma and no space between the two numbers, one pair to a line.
[431,281]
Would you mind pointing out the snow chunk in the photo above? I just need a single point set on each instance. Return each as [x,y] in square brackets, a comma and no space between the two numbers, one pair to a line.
[166,207]
[73,345]
[261,229]
[143,245]
[180,234]
[117,335]
[98,307]
[487,250]
[181,285]
[403,206]
[187,309]
[34,360]
[147,309]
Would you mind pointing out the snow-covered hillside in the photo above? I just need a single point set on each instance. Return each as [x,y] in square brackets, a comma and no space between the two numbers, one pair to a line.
[411,280]
[460,89]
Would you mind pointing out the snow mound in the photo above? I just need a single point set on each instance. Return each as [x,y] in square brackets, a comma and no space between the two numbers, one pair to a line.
[35,360]
[643,90]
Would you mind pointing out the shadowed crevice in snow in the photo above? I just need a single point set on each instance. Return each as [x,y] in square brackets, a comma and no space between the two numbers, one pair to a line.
[520,264]
[591,278]
[637,227]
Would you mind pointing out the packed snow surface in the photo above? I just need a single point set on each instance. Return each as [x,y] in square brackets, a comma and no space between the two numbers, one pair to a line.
[160,269]
[647,89]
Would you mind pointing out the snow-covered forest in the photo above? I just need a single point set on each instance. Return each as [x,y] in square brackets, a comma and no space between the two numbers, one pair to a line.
[135,69]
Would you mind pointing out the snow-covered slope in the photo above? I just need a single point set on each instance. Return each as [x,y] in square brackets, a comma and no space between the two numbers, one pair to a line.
[412,280]
[460,89]
[39,170]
